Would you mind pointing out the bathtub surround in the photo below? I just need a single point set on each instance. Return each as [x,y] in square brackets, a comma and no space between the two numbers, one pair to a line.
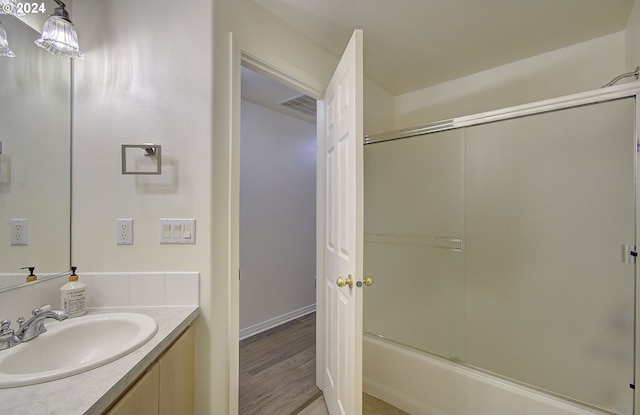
[107,290]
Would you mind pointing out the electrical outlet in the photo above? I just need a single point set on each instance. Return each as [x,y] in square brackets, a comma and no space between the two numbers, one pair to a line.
[19,231]
[124,231]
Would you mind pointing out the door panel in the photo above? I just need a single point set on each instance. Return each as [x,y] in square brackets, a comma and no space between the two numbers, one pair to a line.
[340,206]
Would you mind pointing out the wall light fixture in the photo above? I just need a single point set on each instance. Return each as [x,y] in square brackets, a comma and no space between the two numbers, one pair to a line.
[59,36]
[4,45]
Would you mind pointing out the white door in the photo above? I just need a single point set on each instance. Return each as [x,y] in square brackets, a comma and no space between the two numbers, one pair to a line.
[340,234]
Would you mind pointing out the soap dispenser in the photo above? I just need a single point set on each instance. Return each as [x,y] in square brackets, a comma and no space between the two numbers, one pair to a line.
[72,296]
[31,277]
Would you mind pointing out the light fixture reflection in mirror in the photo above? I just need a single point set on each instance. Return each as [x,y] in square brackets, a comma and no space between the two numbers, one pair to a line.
[4,44]
[59,36]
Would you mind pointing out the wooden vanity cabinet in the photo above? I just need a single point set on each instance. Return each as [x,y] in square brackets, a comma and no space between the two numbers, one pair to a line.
[167,386]
[176,384]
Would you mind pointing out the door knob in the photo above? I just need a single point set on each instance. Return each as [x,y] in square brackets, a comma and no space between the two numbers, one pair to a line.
[342,281]
[367,280]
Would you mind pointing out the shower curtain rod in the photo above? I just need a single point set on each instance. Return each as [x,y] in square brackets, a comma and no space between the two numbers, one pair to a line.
[624,75]
[548,105]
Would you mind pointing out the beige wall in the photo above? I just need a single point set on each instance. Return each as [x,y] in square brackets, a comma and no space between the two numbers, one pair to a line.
[581,67]
[147,77]
[632,37]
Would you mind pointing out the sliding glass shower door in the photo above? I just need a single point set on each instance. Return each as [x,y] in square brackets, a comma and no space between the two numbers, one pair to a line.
[549,203]
[412,228]
[505,246]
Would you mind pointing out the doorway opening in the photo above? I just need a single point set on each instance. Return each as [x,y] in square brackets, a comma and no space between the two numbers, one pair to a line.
[277,246]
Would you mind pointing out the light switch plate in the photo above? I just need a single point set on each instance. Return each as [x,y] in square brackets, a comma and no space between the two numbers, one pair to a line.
[177,231]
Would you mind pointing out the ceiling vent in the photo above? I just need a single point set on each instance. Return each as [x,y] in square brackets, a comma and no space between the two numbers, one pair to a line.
[302,103]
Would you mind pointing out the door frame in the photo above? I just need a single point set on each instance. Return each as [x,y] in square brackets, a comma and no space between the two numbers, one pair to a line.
[258,59]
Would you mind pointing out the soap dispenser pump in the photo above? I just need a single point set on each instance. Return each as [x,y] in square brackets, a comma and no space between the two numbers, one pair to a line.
[31,277]
[72,296]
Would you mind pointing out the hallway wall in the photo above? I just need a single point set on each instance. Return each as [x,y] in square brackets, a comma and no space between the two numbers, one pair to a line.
[277,217]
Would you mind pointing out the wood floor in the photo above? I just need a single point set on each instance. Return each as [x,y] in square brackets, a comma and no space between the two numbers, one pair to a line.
[278,369]
[278,373]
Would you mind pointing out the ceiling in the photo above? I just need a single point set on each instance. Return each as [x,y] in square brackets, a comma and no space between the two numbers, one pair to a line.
[412,44]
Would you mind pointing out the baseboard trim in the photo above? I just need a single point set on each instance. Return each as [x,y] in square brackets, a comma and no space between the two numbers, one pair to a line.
[276,321]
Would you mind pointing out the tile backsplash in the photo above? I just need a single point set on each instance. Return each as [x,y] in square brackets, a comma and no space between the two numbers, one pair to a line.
[107,289]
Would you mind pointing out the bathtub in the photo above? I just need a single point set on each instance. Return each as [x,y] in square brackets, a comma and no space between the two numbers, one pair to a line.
[423,384]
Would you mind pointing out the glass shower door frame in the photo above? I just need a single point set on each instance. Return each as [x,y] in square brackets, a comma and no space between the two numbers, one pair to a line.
[576,100]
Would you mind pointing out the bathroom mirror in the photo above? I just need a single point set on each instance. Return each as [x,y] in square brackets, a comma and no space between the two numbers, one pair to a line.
[35,159]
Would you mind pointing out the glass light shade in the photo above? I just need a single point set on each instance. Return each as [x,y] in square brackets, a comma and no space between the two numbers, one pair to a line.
[59,38]
[4,45]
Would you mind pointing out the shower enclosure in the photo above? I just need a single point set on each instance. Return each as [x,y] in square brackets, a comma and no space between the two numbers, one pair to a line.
[507,245]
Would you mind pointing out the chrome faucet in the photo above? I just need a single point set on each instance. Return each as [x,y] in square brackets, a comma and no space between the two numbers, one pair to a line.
[29,329]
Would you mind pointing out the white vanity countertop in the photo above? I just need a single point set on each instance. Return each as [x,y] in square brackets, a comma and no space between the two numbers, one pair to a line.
[93,391]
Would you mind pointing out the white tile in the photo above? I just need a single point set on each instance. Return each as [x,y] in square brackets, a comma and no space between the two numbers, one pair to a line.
[87,279]
[147,289]
[110,289]
[182,288]
[16,303]
[6,280]
[19,279]
[48,292]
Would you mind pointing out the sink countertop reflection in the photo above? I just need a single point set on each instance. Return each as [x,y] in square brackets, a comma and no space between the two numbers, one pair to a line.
[91,392]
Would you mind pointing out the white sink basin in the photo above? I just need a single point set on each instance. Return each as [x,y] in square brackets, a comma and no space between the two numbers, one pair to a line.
[73,346]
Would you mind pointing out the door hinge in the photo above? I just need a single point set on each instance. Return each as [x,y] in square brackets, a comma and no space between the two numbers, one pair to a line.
[629,254]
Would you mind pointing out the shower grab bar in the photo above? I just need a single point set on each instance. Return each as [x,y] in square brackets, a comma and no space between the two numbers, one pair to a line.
[421,241]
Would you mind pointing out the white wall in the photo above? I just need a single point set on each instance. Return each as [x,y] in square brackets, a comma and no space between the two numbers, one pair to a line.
[141,83]
[147,77]
[277,216]
[581,67]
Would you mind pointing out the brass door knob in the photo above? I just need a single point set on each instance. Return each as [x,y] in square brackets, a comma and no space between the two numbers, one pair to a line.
[368,280]
[342,281]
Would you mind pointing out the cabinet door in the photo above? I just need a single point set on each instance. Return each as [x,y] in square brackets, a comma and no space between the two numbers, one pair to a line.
[141,398]
[177,376]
